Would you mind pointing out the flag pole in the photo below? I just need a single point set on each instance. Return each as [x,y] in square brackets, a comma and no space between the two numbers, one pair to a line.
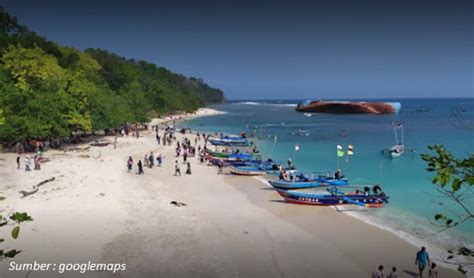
[273,147]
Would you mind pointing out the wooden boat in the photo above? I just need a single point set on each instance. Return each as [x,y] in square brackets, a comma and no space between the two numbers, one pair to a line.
[229,141]
[399,148]
[247,171]
[396,151]
[283,184]
[237,160]
[328,180]
[307,181]
[333,197]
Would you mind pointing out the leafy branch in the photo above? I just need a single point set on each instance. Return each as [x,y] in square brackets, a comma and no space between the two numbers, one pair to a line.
[454,179]
[14,220]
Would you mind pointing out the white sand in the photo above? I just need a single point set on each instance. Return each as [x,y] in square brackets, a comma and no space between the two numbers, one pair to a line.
[231,226]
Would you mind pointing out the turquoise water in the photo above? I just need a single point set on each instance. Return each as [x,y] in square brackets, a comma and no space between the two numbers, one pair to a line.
[413,199]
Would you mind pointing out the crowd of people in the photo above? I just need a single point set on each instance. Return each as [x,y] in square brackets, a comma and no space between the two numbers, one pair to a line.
[184,149]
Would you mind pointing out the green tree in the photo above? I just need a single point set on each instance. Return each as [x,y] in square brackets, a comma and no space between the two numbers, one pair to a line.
[454,178]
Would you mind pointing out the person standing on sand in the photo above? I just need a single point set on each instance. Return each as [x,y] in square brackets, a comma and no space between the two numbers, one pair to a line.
[159,159]
[221,167]
[177,171]
[433,272]
[27,164]
[115,142]
[129,163]
[188,170]
[140,167]
[185,156]
[422,260]
[152,160]
[145,159]
[18,162]
[378,273]
[393,274]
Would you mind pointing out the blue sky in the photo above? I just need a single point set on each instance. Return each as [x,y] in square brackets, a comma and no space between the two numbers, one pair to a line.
[279,49]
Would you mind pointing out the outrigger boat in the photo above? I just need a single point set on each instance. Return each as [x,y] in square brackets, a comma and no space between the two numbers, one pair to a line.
[304,181]
[247,171]
[229,141]
[239,159]
[269,167]
[332,197]
[284,184]
[399,148]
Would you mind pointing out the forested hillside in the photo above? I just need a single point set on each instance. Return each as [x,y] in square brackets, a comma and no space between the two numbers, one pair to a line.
[47,90]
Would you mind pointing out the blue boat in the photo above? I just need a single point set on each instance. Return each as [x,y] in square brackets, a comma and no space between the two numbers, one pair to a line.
[333,181]
[229,141]
[332,197]
[283,184]
[307,181]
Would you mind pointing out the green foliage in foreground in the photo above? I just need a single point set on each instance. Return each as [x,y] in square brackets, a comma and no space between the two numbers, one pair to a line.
[14,220]
[47,90]
[454,178]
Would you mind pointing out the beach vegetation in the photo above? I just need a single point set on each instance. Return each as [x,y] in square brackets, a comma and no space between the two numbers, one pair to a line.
[14,220]
[454,179]
[48,91]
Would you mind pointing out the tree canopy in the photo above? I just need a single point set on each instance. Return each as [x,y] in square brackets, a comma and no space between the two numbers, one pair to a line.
[47,90]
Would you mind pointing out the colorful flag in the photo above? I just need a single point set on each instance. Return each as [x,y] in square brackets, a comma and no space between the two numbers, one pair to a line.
[340,151]
[350,150]
[297,147]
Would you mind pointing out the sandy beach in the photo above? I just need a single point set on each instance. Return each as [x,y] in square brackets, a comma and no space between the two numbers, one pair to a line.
[230,226]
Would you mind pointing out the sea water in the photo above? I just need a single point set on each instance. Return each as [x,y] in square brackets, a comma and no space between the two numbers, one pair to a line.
[413,199]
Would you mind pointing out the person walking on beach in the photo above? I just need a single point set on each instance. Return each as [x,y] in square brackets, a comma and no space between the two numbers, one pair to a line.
[151,158]
[145,159]
[129,163]
[422,260]
[378,273]
[188,169]
[18,162]
[177,171]
[157,136]
[221,167]
[433,272]
[37,161]
[27,164]
[185,157]
[393,274]
[140,167]
[159,159]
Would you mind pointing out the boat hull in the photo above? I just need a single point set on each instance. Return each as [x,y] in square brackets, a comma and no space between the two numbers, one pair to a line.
[301,198]
[294,185]
[349,107]
[242,172]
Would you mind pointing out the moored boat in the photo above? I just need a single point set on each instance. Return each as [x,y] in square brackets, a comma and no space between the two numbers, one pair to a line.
[247,171]
[283,184]
[332,197]
[229,141]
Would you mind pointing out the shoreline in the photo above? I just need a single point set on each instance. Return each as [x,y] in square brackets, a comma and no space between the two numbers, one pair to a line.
[105,214]
[407,237]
